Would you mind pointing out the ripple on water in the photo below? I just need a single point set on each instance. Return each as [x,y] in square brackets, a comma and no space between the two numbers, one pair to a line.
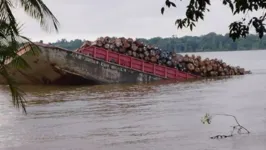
[159,115]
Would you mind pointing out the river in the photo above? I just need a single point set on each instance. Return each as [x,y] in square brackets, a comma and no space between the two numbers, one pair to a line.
[159,115]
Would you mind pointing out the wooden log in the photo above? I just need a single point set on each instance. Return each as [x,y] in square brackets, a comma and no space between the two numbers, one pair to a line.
[118,42]
[130,40]
[145,48]
[169,63]
[153,59]
[213,73]
[164,60]
[190,67]
[146,53]
[186,59]
[160,62]
[157,56]
[122,50]
[224,65]
[197,70]
[140,50]
[112,47]
[106,46]
[174,54]
[193,56]
[152,52]
[199,58]
[106,39]
[126,45]
[134,47]
[99,43]
[130,53]
[242,71]
[149,47]
[141,55]
[116,49]
[86,44]
[112,40]
[194,64]
[101,39]
[134,54]
[209,67]
[215,67]
[147,58]
[138,43]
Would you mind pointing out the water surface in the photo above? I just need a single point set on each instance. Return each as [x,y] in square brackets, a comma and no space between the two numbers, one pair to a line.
[159,115]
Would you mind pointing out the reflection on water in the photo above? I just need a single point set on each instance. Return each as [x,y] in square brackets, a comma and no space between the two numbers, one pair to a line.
[158,115]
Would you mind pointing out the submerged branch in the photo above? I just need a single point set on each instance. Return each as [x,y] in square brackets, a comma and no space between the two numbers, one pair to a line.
[238,124]
[207,119]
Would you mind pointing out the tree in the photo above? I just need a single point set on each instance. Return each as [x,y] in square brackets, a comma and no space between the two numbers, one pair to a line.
[11,40]
[196,10]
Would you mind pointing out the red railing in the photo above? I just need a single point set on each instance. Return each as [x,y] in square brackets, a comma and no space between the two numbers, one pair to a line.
[135,64]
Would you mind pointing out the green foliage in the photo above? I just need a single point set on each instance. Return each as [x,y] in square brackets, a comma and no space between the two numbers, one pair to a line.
[11,40]
[206,43]
[34,8]
[9,47]
[70,45]
[197,9]
[206,119]
[209,42]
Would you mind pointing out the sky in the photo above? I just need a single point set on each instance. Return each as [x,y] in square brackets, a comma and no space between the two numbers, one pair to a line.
[90,19]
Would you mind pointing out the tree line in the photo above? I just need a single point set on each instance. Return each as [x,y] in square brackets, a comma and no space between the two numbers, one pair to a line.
[205,43]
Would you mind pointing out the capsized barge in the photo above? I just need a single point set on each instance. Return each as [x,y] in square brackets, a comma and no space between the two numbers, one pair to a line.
[88,65]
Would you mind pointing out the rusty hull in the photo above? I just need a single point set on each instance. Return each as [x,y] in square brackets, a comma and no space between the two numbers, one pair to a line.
[54,65]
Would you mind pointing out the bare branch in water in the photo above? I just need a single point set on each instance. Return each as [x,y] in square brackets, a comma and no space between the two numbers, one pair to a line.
[207,119]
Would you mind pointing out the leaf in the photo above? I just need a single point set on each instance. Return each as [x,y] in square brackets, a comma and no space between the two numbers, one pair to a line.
[39,11]
[16,93]
[168,3]
[191,27]
[208,2]
[231,6]
[173,4]
[162,10]
[206,119]
[256,7]
[224,2]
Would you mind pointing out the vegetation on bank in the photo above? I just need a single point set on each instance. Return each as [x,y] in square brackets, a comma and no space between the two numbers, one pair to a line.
[209,42]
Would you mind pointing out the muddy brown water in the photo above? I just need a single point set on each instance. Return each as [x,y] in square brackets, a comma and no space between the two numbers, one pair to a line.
[159,115]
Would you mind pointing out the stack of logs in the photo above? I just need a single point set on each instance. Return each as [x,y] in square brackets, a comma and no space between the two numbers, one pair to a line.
[192,64]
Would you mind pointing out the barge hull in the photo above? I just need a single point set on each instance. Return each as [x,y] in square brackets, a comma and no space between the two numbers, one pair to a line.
[54,65]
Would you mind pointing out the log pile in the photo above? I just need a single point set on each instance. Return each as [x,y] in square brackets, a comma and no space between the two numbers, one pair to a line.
[192,64]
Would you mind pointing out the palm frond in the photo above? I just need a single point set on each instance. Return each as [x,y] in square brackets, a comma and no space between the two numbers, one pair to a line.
[38,10]
[17,94]
[11,41]
[9,47]
[34,49]
[9,53]
[7,15]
